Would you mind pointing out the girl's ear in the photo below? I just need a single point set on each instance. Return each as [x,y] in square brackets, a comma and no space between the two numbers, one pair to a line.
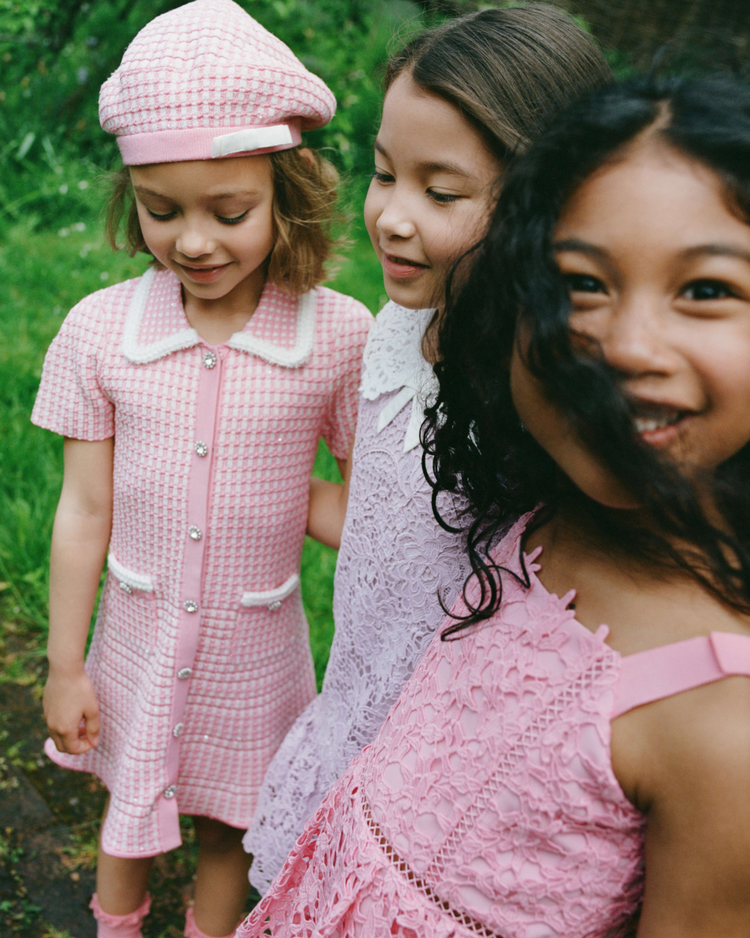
[307,156]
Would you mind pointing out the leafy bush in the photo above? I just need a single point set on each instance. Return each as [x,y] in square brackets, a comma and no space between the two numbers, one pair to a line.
[55,57]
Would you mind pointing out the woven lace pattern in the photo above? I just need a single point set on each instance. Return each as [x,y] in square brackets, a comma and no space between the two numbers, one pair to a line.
[487,804]
[393,564]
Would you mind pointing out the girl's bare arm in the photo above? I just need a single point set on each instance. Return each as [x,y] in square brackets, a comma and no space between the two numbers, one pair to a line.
[327,508]
[80,537]
[697,780]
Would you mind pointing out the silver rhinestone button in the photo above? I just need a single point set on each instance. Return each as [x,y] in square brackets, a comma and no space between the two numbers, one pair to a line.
[200,448]
[190,605]
[170,791]
[209,360]
[195,532]
[177,731]
[276,604]
[125,587]
[184,673]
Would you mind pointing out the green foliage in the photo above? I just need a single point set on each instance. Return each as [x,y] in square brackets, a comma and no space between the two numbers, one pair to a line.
[55,57]
[44,274]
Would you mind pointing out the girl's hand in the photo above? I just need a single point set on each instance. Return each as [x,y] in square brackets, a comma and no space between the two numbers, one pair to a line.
[71,710]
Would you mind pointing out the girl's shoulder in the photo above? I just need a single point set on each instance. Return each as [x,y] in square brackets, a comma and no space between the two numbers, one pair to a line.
[340,331]
[343,309]
[106,305]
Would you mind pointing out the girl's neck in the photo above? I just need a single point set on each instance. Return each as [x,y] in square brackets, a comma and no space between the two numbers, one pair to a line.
[643,604]
[430,339]
[217,320]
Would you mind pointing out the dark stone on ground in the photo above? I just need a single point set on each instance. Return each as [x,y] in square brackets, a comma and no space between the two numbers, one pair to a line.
[62,899]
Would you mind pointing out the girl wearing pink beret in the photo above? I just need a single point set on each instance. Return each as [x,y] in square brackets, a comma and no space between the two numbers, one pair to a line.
[192,400]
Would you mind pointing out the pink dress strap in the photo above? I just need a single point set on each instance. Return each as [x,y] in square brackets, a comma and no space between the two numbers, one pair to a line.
[670,669]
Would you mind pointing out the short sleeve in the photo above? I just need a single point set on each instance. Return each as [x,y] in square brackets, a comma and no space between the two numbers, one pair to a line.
[71,400]
[346,331]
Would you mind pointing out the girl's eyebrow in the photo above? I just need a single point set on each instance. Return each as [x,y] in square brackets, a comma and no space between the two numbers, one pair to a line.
[217,195]
[582,247]
[454,169]
[579,246]
[712,250]
[718,250]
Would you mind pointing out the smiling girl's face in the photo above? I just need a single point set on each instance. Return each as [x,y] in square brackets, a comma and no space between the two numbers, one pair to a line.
[659,274]
[430,196]
[211,223]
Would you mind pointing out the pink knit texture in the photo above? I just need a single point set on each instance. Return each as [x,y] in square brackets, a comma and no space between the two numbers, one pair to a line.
[200,657]
[192,930]
[119,926]
[207,64]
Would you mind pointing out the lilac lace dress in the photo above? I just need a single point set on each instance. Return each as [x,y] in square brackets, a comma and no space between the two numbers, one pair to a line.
[393,563]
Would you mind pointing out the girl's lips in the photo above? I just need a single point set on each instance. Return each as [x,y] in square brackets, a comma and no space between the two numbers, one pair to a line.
[660,427]
[400,268]
[204,274]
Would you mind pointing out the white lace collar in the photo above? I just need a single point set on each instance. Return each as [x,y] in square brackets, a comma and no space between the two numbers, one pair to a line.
[280,330]
[393,361]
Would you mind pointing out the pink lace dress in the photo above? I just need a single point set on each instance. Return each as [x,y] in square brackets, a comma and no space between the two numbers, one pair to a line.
[393,563]
[487,804]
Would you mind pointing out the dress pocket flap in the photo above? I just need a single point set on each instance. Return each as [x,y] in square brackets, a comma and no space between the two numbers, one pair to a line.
[129,580]
[271,598]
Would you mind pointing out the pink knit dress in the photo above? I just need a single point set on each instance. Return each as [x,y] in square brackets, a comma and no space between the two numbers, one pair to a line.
[200,657]
[487,804]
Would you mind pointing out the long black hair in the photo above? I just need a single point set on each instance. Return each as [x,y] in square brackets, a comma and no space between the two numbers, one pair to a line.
[474,440]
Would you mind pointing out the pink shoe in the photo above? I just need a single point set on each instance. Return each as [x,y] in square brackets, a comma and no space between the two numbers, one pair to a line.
[192,930]
[119,926]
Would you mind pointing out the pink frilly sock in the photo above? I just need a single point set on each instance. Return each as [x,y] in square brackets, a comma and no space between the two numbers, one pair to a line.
[119,926]
[192,930]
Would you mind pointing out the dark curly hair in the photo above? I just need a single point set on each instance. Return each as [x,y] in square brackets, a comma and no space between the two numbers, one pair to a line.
[474,442]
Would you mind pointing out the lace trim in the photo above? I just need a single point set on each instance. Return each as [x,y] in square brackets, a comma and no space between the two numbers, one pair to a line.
[393,361]
[403,867]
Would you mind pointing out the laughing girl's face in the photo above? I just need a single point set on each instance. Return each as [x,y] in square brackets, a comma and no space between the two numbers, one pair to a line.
[658,269]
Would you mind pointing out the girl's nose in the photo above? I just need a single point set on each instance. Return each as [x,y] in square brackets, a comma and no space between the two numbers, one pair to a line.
[635,341]
[193,241]
[395,220]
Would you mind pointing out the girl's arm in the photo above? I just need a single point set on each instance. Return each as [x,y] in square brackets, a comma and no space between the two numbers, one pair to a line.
[327,508]
[695,774]
[80,537]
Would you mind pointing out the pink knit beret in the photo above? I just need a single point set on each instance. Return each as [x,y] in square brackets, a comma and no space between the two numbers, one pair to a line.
[206,81]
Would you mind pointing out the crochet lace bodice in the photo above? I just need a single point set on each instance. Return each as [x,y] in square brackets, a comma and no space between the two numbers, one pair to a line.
[487,805]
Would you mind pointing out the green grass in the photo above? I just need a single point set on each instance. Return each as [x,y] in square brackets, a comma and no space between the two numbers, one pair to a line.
[44,273]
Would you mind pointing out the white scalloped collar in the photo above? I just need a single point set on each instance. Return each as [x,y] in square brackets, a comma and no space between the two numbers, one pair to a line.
[280,330]
[393,361]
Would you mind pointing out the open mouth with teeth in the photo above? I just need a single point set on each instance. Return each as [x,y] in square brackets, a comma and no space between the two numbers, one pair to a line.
[650,420]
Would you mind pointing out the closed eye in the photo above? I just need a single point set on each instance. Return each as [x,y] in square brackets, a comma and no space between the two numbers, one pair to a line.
[383,178]
[232,221]
[442,198]
[157,217]
[708,290]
